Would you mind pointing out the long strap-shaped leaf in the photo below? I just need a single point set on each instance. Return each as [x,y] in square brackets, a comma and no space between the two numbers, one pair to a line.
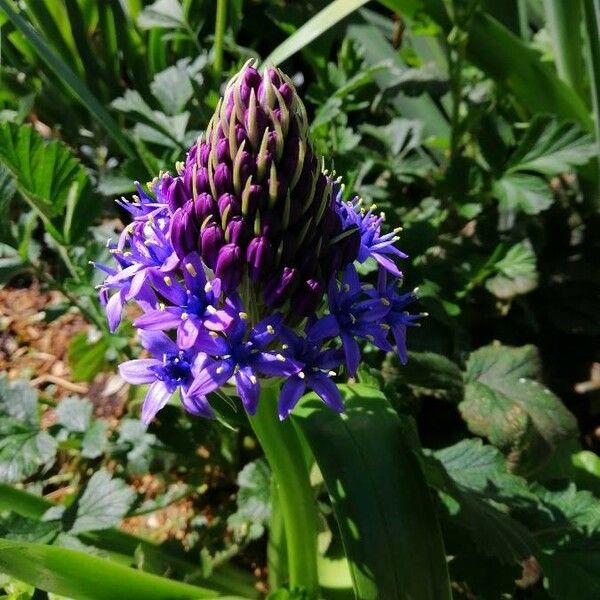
[492,47]
[85,577]
[122,545]
[313,28]
[66,75]
[381,500]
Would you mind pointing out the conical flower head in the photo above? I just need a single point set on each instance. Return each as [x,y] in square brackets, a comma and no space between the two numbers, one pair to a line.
[256,197]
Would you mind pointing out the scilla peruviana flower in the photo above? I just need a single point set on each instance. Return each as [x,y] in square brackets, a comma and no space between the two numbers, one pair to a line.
[242,263]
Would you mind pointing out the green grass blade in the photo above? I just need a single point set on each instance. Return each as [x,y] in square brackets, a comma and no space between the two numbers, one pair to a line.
[509,61]
[313,28]
[69,79]
[381,500]
[93,74]
[77,575]
[563,21]
[226,578]
[592,27]
[40,12]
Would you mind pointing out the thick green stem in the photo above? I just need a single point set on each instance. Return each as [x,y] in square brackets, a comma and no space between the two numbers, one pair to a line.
[220,24]
[276,548]
[296,501]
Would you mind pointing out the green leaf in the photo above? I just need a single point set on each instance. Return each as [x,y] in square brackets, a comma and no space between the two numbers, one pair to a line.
[152,125]
[516,273]
[313,28]
[86,358]
[23,453]
[85,577]
[23,447]
[551,148]
[380,498]
[67,77]
[172,88]
[253,500]
[572,570]
[166,14]
[95,440]
[50,179]
[505,404]
[74,414]
[426,374]
[18,400]
[16,527]
[473,483]
[103,503]
[523,192]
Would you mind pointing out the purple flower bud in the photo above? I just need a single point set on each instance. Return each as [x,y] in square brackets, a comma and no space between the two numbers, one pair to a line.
[162,187]
[287,93]
[236,232]
[184,231]
[223,151]
[202,182]
[230,266]
[279,289]
[204,206]
[259,256]
[222,179]
[229,201]
[204,154]
[211,241]
[176,194]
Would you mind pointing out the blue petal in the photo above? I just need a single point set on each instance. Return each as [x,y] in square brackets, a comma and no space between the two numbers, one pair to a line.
[196,405]
[327,390]
[275,365]
[352,353]
[157,343]
[248,388]
[114,309]
[158,320]
[211,376]
[291,392]
[325,327]
[158,395]
[138,372]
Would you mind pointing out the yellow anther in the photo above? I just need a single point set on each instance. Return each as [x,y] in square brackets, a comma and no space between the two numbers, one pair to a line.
[253,379]
[346,287]
[285,346]
[385,302]
[213,334]
[208,287]
[219,370]
[280,357]
[211,310]
[189,267]
[162,306]
[184,316]
[301,375]
[332,373]
[270,329]
[243,315]
[168,280]
[370,337]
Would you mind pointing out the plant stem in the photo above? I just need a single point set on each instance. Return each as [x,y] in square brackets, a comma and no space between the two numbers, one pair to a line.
[220,23]
[592,27]
[295,497]
[276,553]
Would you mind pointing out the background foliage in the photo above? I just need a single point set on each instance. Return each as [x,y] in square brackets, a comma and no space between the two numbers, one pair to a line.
[473,125]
